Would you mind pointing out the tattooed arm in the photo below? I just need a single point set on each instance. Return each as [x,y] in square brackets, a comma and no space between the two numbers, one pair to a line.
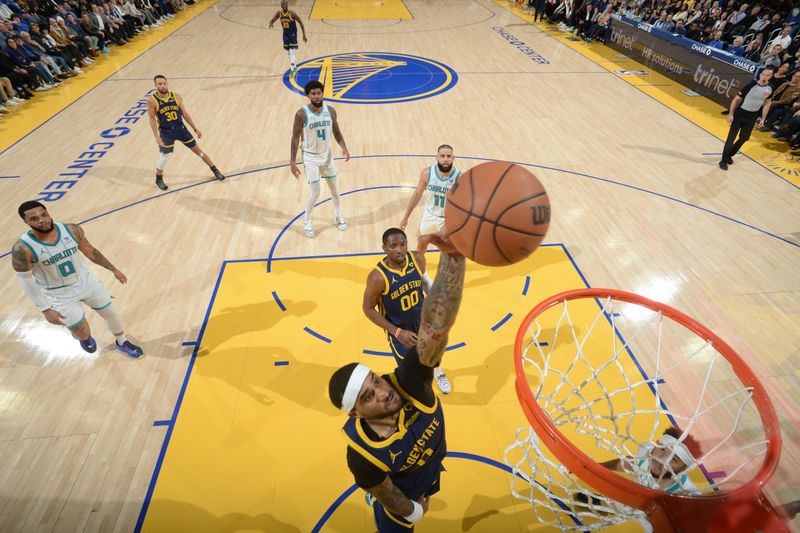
[394,500]
[94,255]
[441,305]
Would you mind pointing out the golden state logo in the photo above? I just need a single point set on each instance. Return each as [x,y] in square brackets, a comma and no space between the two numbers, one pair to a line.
[374,77]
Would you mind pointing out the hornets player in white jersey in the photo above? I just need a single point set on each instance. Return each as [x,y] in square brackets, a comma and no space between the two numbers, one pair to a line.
[434,183]
[395,428]
[54,276]
[316,123]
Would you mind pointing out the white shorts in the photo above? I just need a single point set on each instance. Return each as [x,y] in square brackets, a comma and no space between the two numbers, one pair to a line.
[430,224]
[67,300]
[319,166]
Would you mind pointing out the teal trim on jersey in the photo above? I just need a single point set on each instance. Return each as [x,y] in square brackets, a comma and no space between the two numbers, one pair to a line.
[58,227]
[328,177]
[321,109]
[305,111]
[78,323]
[35,257]
[102,307]
[70,233]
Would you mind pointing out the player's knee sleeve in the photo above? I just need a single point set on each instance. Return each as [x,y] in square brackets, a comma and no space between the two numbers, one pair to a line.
[162,161]
[112,318]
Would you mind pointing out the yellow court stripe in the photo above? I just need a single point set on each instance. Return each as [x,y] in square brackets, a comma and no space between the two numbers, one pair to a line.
[360,9]
[699,110]
[47,104]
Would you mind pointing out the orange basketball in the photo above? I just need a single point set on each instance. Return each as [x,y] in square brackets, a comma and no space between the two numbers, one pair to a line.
[497,213]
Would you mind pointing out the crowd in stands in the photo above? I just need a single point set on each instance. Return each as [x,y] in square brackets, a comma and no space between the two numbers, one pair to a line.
[43,42]
[766,34]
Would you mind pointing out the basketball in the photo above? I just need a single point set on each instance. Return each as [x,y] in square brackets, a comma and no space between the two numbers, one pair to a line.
[497,213]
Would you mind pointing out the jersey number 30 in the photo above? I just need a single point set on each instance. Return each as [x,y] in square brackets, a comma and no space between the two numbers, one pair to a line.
[171,115]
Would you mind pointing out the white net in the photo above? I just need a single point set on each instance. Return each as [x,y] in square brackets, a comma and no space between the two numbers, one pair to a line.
[613,376]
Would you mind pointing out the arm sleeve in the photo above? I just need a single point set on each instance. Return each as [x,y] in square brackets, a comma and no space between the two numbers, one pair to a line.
[30,288]
[416,378]
[365,473]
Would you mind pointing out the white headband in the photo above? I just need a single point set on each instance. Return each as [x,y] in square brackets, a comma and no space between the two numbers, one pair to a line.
[357,378]
[680,449]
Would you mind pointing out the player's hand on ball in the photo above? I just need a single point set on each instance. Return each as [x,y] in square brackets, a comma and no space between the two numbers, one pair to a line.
[407,338]
[54,317]
[295,171]
[439,240]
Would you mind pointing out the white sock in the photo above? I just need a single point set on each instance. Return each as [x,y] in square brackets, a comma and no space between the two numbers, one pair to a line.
[292,56]
[313,196]
[333,185]
[437,371]
[121,339]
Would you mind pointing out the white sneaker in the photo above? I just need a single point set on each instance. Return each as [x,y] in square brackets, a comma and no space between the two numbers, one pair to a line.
[308,229]
[11,102]
[340,223]
[443,383]
[17,100]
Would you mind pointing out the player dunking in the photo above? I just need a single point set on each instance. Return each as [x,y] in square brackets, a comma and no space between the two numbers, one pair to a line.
[289,22]
[167,112]
[317,123]
[395,430]
[395,287]
[434,183]
[54,276]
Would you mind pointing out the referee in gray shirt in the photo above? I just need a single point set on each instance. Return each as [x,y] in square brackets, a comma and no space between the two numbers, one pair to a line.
[752,101]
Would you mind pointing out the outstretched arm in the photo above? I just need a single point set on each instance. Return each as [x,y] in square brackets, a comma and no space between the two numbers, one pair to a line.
[94,255]
[415,198]
[395,501]
[441,305]
[337,134]
[297,131]
[277,15]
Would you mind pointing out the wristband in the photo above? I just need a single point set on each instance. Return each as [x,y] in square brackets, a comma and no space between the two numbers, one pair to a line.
[396,333]
[416,514]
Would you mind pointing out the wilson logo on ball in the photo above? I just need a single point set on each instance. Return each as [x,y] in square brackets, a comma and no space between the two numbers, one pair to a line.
[541,214]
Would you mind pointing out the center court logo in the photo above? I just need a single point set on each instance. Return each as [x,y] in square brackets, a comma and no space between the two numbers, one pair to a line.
[780,163]
[374,77]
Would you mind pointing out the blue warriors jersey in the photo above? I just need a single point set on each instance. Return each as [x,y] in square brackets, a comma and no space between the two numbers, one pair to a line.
[168,112]
[288,23]
[401,301]
[412,457]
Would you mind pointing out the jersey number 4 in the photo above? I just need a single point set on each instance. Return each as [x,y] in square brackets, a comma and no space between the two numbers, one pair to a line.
[321,134]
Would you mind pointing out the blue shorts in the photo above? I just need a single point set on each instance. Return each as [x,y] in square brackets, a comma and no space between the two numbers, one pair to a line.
[168,137]
[398,350]
[289,40]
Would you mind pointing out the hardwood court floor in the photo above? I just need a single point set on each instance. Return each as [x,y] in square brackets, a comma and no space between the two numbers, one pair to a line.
[635,202]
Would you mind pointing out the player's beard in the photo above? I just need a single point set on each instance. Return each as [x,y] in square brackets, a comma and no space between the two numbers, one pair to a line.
[164,92]
[444,169]
[46,230]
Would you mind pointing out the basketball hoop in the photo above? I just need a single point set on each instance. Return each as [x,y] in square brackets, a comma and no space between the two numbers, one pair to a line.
[603,373]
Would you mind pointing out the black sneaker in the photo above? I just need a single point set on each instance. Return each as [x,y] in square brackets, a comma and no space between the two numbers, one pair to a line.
[89,345]
[723,164]
[219,175]
[729,160]
[161,184]
[129,349]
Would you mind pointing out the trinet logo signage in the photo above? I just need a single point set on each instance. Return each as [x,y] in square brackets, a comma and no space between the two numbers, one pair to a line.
[711,81]
[622,39]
